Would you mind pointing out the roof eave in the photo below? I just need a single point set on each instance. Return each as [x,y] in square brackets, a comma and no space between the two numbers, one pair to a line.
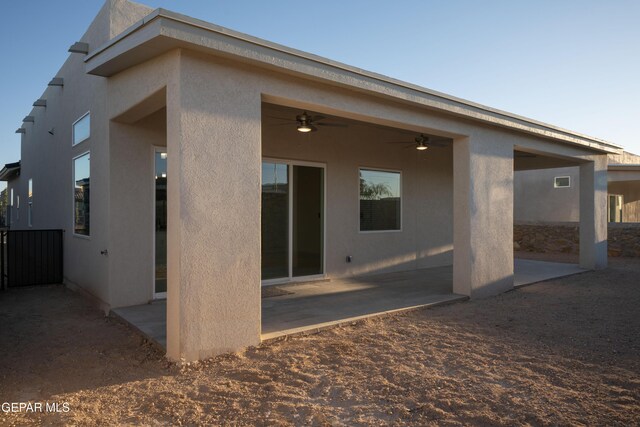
[162,31]
[624,167]
[10,171]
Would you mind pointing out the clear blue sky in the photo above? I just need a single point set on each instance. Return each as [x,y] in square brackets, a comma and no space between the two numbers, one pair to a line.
[571,63]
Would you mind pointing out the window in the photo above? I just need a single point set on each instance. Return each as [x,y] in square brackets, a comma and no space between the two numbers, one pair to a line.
[10,210]
[81,195]
[30,203]
[562,182]
[82,129]
[380,202]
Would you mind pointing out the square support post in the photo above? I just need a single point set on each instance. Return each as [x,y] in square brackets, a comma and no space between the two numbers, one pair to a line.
[482,216]
[593,213]
[213,234]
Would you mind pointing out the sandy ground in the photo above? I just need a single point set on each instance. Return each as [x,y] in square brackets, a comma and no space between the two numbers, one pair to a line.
[560,352]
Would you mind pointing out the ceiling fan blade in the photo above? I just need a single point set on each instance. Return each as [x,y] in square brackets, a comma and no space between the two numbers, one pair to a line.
[400,142]
[282,118]
[281,124]
[336,125]
[317,118]
[439,143]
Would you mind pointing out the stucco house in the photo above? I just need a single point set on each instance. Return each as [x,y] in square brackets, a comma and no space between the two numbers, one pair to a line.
[190,162]
[560,189]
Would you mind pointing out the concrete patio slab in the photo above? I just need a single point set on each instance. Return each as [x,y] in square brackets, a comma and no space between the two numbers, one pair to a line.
[529,271]
[150,319]
[317,305]
[313,306]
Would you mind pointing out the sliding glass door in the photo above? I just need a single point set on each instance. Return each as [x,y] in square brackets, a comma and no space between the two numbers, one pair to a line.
[275,221]
[160,227]
[292,221]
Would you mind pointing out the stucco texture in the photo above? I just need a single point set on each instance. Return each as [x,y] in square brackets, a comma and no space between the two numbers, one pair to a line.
[208,108]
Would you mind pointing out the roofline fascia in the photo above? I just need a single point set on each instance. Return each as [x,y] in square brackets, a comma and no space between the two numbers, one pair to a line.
[623,167]
[194,22]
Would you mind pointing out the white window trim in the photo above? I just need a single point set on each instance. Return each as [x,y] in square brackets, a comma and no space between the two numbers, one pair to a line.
[73,129]
[372,168]
[555,182]
[30,202]
[73,196]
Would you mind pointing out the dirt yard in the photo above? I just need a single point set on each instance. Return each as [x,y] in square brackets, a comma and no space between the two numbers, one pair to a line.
[561,352]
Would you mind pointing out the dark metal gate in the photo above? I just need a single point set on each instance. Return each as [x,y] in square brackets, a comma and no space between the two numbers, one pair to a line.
[30,257]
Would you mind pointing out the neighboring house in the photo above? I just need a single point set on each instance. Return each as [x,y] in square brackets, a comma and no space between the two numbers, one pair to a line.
[560,190]
[208,178]
[10,209]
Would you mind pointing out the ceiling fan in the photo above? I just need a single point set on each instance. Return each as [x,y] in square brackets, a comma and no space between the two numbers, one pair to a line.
[306,123]
[423,142]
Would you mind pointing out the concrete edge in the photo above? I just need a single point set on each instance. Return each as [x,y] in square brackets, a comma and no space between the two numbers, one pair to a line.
[113,315]
[314,329]
[547,280]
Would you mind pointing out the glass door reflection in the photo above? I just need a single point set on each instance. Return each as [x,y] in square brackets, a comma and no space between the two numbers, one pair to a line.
[292,229]
[160,203]
[275,220]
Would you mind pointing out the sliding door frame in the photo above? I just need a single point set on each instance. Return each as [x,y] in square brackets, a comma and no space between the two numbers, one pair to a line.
[290,279]
[155,150]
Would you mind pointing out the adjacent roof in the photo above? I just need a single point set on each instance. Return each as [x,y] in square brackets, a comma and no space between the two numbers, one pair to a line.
[626,167]
[163,30]
[10,171]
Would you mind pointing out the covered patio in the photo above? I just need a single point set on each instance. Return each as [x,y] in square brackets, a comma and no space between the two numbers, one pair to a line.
[307,307]
[398,180]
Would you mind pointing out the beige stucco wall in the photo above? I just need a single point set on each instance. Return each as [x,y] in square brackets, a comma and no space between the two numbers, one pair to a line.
[536,199]
[216,140]
[426,238]
[215,150]
[47,159]
[132,207]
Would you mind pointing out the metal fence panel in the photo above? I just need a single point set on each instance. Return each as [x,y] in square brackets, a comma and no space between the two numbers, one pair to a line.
[31,257]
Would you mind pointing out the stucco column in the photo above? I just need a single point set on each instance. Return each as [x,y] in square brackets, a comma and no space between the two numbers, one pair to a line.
[482,216]
[593,213]
[213,236]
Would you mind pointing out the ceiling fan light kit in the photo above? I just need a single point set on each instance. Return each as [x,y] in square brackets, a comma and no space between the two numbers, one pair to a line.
[306,128]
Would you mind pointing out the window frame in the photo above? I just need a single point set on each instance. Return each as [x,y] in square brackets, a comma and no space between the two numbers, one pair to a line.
[73,195]
[73,129]
[555,182]
[30,203]
[400,189]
